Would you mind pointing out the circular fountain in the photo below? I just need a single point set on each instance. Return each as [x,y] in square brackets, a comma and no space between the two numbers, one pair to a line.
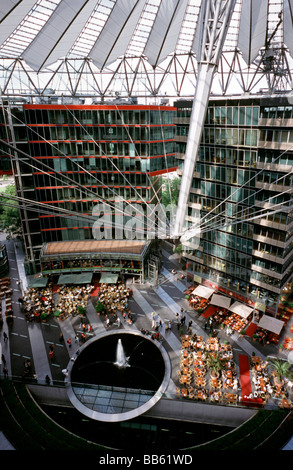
[118,376]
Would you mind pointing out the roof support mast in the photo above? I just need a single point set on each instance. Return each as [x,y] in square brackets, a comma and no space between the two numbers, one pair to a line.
[213,23]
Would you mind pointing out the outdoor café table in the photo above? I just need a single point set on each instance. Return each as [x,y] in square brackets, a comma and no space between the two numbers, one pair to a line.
[184,392]
[185,361]
[198,362]
[213,340]
[186,344]
[199,381]
[229,383]
[231,398]
[286,403]
[229,374]
[185,370]
[262,384]
[184,378]
[214,382]
[216,396]
[185,353]
[201,395]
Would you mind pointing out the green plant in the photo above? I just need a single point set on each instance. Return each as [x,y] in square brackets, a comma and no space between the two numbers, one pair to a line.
[57,313]
[81,310]
[215,362]
[281,369]
[43,316]
[100,307]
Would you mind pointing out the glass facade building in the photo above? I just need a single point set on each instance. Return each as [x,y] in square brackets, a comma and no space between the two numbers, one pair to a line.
[84,155]
[243,171]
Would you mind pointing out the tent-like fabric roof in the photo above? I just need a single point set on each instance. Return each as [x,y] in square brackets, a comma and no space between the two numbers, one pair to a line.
[241,309]
[37,282]
[83,278]
[42,32]
[108,278]
[203,291]
[220,301]
[271,324]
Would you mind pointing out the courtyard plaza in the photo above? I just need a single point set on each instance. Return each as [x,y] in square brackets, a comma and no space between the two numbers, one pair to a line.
[38,349]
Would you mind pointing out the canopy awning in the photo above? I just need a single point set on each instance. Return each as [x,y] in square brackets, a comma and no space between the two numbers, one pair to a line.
[82,278]
[66,279]
[271,324]
[220,301]
[203,291]
[37,282]
[241,309]
[108,278]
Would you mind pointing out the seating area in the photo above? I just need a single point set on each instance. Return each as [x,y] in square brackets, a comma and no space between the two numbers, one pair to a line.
[198,380]
[71,298]
[38,303]
[196,377]
[265,386]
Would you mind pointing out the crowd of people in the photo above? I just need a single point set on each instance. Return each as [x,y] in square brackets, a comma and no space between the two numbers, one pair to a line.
[71,298]
[115,299]
[37,303]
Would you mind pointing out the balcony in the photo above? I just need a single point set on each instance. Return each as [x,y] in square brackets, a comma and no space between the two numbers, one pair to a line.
[272,187]
[268,272]
[273,166]
[266,286]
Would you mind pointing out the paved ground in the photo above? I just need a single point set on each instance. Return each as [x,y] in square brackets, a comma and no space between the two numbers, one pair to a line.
[32,340]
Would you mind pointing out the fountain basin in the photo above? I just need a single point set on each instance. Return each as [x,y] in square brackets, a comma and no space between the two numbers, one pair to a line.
[108,382]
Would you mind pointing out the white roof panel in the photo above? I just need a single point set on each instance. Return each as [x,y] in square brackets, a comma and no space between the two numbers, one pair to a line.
[241,309]
[252,29]
[203,291]
[117,32]
[16,15]
[271,324]
[164,35]
[68,13]
[220,301]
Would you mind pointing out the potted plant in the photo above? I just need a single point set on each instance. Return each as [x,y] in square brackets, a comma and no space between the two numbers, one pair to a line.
[43,317]
[281,370]
[81,310]
[57,313]
[216,363]
[100,307]
[254,337]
